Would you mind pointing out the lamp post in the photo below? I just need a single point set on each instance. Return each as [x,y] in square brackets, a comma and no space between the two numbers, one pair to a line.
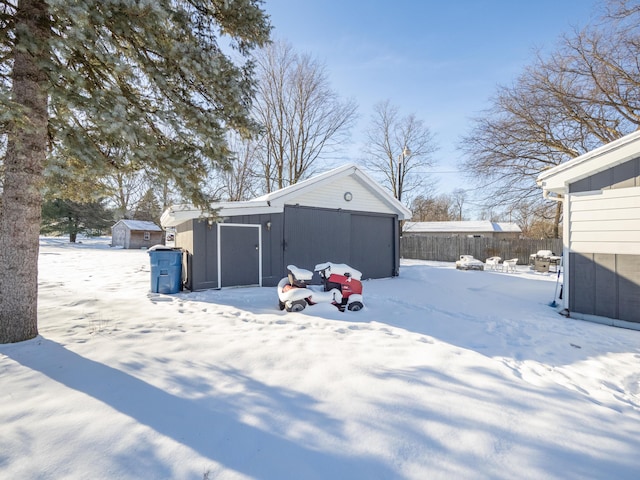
[401,170]
[402,158]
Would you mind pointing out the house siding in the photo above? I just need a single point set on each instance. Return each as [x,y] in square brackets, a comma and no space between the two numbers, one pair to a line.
[373,243]
[605,286]
[605,221]
[604,243]
[184,240]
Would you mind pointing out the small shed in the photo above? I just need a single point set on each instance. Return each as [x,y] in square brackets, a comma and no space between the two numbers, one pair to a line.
[478,229]
[135,234]
[340,216]
[600,191]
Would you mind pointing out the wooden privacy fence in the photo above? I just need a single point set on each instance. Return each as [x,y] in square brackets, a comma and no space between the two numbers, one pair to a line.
[449,249]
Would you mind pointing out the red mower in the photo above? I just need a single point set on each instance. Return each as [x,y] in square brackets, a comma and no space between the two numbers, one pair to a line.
[341,286]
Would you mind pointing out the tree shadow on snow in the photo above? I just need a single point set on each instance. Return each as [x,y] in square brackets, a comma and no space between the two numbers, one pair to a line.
[213,430]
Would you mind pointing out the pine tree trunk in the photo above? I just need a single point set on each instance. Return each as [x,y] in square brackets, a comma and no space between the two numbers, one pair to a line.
[24,162]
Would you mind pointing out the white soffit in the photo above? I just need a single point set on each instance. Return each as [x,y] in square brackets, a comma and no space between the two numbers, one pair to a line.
[602,158]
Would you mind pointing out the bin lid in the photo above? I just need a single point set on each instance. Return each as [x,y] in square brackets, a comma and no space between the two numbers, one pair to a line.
[160,247]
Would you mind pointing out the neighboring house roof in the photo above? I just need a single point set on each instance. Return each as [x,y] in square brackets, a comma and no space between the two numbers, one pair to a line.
[274,202]
[607,156]
[137,225]
[460,227]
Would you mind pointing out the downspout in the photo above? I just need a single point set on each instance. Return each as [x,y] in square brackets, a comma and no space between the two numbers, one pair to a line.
[547,195]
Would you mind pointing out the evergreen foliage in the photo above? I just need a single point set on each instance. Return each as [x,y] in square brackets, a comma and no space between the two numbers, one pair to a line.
[151,80]
[160,80]
[66,217]
[148,208]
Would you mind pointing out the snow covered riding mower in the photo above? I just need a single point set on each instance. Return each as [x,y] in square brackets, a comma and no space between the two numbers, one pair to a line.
[341,286]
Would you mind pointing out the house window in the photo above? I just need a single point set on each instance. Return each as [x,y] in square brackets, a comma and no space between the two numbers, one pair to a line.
[147,236]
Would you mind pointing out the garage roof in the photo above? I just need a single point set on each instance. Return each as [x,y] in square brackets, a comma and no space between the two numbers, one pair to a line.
[139,225]
[274,202]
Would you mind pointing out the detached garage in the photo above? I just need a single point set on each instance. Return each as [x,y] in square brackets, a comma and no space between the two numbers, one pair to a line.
[601,195]
[340,216]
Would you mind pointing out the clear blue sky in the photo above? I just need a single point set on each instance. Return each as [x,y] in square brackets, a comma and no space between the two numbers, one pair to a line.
[438,59]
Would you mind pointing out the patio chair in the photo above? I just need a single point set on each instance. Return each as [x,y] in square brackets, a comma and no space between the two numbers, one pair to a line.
[493,263]
[509,265]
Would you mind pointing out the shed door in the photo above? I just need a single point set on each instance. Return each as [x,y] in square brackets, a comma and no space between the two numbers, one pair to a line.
[239,255]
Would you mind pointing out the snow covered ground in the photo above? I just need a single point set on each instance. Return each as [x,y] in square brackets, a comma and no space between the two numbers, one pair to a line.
[445,374]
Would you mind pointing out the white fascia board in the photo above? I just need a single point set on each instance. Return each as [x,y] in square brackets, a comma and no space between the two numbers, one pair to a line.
[233,209]
[177,214]
[174,215]
[602,158]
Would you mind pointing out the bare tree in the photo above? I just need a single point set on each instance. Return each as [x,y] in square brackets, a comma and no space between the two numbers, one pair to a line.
[519,137]
[582,96]
[303,119]
[240,182]
[438,208]
[458,197]
[124,189]
[533,219]
[398,148]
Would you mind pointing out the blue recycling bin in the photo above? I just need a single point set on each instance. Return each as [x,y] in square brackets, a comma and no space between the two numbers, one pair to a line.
[166,269]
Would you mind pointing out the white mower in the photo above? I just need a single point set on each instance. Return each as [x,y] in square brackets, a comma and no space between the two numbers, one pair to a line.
[341,286]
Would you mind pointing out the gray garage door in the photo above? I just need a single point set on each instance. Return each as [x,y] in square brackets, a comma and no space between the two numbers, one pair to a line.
[372,245]
[314,235]
[239,255]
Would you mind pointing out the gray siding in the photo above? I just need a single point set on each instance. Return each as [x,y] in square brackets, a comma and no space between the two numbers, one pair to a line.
[624,175]
[605,285]
[202,261]
[629,287]
[202,271]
